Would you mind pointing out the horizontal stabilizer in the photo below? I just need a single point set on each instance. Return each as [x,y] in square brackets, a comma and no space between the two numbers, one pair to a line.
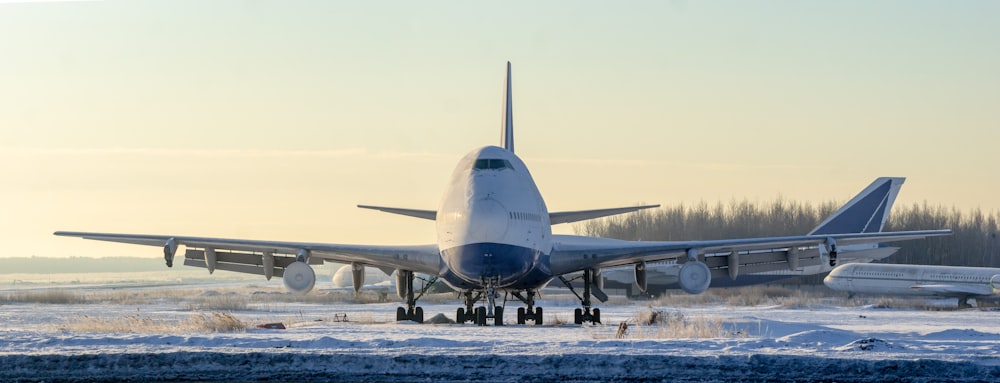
[583,215]
[425,214]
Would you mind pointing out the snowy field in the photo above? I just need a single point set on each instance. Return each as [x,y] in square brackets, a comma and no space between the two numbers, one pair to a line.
[163,333]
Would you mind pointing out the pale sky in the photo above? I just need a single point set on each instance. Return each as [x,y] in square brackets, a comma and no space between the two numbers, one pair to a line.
[273,119]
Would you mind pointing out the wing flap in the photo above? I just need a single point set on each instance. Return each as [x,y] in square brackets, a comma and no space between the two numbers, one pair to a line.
[235,267]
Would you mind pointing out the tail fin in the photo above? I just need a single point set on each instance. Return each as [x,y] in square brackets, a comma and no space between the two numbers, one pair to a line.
[507,128]
[866,212]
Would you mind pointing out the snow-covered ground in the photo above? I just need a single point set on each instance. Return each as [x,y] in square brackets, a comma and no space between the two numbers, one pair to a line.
[44,342]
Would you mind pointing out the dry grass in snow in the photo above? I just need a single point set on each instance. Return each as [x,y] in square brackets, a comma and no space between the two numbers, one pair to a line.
[138,323]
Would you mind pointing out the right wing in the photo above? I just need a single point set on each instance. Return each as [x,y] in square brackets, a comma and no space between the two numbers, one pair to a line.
[270,257]
[423,214]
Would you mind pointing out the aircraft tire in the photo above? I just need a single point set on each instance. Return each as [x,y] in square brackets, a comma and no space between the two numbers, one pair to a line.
[520,315]
[498,316]
[578,316]
[460,316]
[597,316]
[418,315]
[538,316]
[481,316]
[400,314]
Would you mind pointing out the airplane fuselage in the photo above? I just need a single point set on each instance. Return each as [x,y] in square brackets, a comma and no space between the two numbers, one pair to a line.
[912,279]
[493,224]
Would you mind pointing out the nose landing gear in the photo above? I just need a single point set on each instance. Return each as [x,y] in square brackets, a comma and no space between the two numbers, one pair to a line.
[482,314]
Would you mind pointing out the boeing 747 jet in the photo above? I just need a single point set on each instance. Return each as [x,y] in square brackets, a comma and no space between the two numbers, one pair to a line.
[494,239]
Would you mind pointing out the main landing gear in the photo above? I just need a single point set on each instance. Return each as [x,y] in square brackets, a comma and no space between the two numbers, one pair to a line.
[404,286]
[529,313]
[591,286]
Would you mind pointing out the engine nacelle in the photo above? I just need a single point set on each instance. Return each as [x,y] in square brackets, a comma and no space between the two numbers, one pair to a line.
[640,276]
[169,250]
[995,283]
[831,247]
[694,277]
[299,277]
[357,275]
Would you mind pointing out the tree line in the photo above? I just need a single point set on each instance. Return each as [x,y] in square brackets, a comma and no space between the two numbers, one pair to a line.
[975,240]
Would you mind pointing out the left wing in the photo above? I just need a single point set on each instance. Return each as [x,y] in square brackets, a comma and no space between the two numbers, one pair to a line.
[251,256]
[574,253]
[955,290]
[582,215]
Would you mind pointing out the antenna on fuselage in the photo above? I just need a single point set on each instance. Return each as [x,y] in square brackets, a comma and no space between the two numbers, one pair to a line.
[507,128]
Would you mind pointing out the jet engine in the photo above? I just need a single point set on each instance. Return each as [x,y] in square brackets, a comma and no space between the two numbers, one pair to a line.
[694,277]
[995,283]
[299,277]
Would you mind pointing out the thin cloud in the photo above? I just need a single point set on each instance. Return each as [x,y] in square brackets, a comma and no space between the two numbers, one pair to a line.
[715,166]
[2,2]
[198,152]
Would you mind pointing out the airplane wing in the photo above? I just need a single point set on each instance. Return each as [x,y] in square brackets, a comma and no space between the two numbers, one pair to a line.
[250,256]
[582,215]
[955,290]
[423,214]
[574,253]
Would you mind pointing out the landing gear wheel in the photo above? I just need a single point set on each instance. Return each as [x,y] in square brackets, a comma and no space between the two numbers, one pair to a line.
[460,316]
[578,316]
[520,315]
[481,316]
[538,316]
[414,314]
[498,316]
[597,316]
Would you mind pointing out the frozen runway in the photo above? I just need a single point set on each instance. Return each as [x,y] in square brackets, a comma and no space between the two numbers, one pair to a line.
[46,342]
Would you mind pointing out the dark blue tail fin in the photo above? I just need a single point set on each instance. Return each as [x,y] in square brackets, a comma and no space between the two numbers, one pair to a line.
[866,212]
[507,128]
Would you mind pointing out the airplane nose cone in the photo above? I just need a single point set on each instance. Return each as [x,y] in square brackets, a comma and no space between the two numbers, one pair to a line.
[488,221]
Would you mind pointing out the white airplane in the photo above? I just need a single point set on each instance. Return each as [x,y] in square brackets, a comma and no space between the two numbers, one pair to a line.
[873,202]
[945,281]
[494,234]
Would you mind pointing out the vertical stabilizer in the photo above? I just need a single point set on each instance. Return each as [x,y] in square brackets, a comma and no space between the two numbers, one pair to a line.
[507,132]
[866,212]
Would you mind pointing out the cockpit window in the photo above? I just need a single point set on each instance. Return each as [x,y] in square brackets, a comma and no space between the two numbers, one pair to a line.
[492,164]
